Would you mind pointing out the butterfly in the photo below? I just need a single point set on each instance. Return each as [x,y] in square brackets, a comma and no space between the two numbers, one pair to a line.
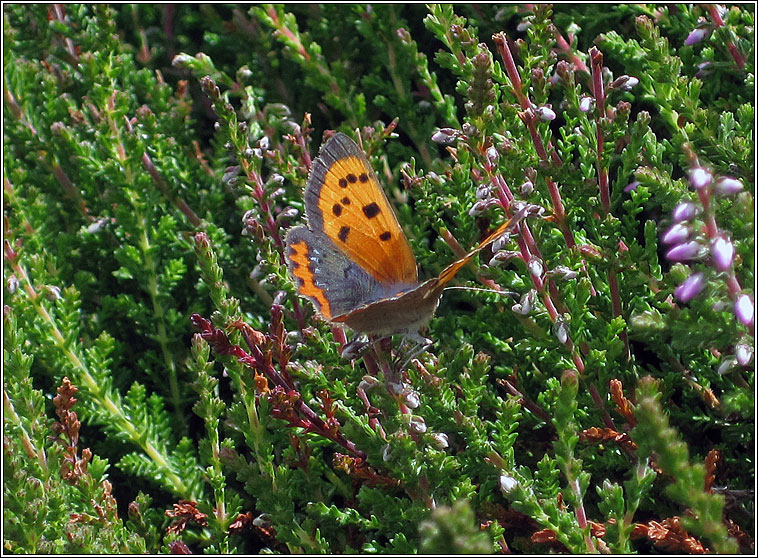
[352,259]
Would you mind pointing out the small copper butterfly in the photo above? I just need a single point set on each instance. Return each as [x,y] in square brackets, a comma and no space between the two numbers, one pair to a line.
[353,260]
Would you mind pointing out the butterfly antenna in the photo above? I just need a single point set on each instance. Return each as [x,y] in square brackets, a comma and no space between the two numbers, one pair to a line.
[493,291]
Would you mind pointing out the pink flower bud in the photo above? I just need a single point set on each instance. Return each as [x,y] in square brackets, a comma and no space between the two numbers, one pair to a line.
[507,484]
[691,287]
[728,185]
[676,234]
[684,212]
[535,267]
[632,186]
[744,354]
[445,136]
[586,103]
[683,252]
[546,114]
[744,309]
[722,250]
[700,178]
[695,36]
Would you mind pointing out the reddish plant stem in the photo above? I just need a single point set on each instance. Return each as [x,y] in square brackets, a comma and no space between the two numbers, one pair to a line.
[712,230]
[258,361]
[716,17]
[178,201]
[564,45]
[596,61]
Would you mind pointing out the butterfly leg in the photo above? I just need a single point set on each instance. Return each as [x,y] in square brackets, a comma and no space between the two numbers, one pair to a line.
[355,348]
[421,344]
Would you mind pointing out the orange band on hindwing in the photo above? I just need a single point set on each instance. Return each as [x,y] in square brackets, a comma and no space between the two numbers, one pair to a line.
[300,268]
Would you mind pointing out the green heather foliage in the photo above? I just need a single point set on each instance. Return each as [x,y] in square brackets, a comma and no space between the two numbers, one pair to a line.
[154,157]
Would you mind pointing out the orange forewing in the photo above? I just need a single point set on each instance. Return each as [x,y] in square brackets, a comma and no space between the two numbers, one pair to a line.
[359,220]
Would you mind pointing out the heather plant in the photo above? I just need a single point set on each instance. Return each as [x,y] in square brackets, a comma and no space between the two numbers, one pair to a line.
[166,390]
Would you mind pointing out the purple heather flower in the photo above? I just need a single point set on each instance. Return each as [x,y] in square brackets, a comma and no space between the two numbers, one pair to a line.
[631,186]
[561,331]
[684,212]
[527,188]
[441,440]
[696,35]
[683,252]
[535,267]
[586,103]
[445,136]
[744,354]
[691,287]
[676,234]
[700,178]
[412,399]
[483,191]
[625,83]
[546,114]
[744,309]
[417,424]
[726,365]
[507,484]
[481,206]
[723,253]
[728,185]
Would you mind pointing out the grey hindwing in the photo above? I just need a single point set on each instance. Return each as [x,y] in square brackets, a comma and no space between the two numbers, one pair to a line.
[346,285]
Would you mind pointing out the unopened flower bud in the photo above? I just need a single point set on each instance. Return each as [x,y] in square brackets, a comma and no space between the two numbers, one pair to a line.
[691,287]
[562,272]
[722,250]
[561,330]
[744,354]
[625,83]
[676,234]
[684,252]
[502,256]
[445,136]
[696,35]
[744,309]
[52,292]
[507,484]
[441,440]
[684,212]
[728,185]
[525,305]
[527,188]
[12,284]
[386,453]
[412,399]
[97,225]
[481,206]
[535,267]
[545,113]
[700,178]
[586,103]
[417,424]
[483,191]
[726,365]
[287,213]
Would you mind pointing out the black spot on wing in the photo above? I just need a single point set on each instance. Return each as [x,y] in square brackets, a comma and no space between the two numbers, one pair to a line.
[342,235]
[371,210]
